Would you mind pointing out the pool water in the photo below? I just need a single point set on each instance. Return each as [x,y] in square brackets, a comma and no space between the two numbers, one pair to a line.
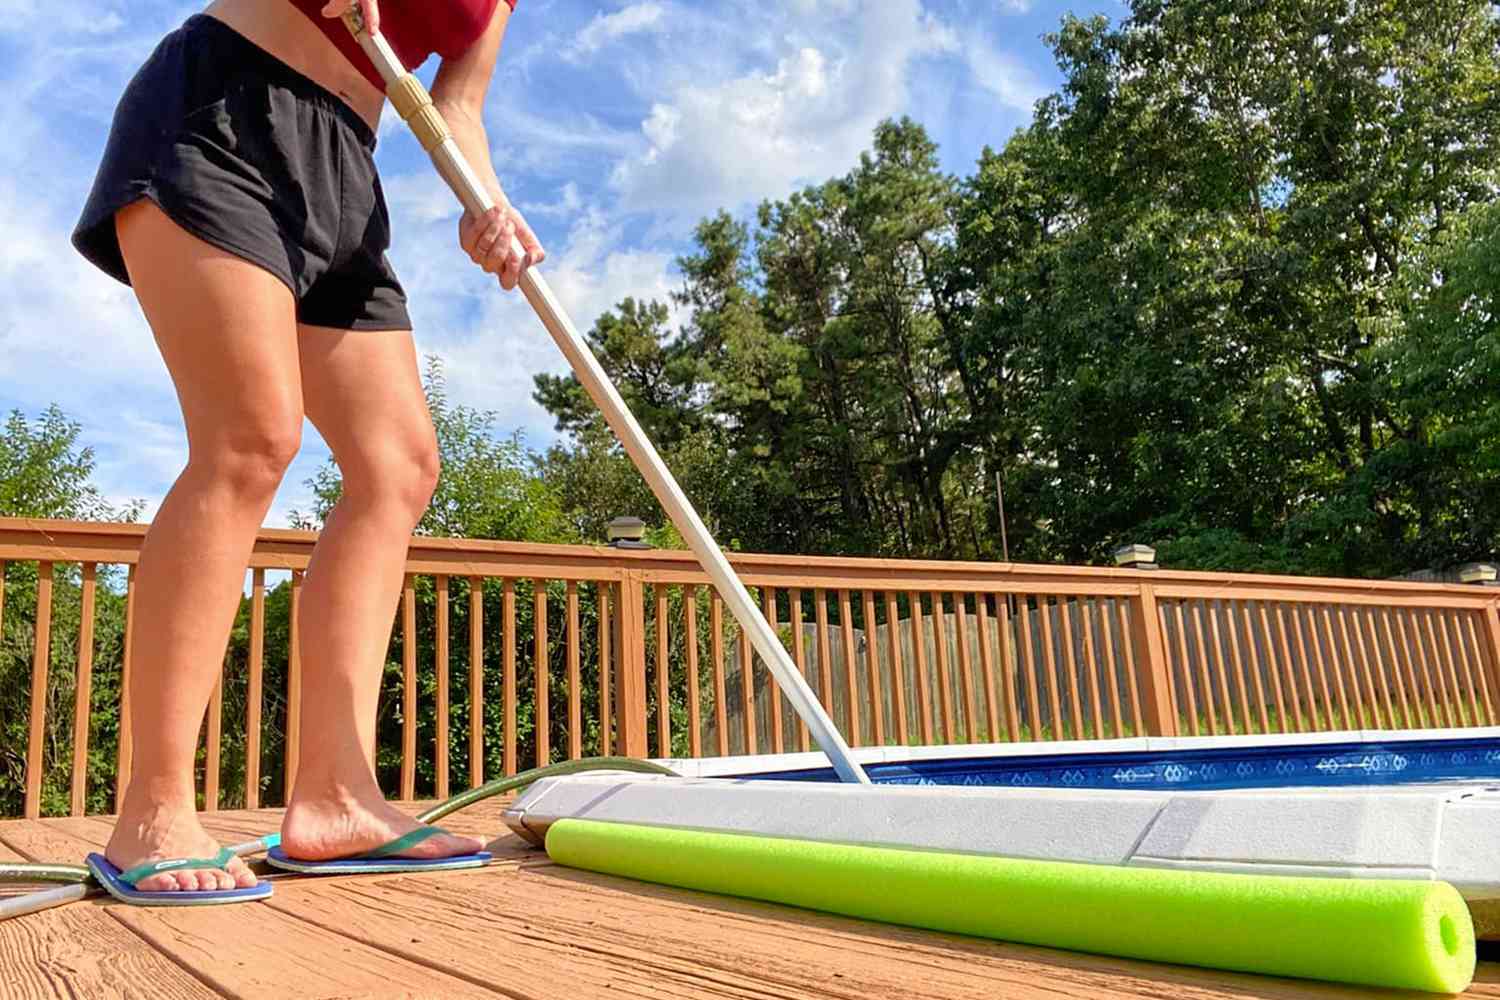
[1320,765]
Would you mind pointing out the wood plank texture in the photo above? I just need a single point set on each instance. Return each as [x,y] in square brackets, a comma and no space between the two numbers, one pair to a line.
[524,928]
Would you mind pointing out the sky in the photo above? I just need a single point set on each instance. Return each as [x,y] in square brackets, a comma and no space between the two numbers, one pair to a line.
[614,126]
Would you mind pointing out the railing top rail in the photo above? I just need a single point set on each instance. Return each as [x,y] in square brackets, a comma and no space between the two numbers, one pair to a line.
[276,548]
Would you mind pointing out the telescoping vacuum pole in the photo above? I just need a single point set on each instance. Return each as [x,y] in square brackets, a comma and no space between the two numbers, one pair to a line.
[414,105]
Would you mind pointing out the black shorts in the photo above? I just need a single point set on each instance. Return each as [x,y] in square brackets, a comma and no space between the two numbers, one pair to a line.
[251,156]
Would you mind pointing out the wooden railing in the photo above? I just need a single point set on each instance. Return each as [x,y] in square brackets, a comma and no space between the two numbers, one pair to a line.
[601,650]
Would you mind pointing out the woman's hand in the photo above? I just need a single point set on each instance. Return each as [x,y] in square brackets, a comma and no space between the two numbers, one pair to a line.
[369,8]
[491,242]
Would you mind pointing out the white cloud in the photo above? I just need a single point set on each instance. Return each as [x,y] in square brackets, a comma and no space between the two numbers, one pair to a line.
[727,141]
[1003,75]
[491,344]
[606,28]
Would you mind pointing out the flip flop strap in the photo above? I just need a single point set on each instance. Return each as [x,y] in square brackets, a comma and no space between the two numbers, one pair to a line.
[406,842]
[134,875]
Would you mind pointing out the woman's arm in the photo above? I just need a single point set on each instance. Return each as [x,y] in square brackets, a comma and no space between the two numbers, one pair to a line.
[458,92]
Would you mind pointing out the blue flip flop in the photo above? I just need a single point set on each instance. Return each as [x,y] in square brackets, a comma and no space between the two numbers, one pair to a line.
[121,885]
[381,860]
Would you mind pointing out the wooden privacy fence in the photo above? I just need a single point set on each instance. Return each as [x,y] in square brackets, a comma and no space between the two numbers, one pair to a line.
[508,654]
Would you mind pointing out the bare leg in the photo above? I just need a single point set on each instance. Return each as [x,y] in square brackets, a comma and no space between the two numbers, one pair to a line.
[227,331]
[364,395]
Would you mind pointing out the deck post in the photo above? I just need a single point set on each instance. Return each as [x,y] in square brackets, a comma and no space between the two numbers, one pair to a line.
[629,641]
[1151,664]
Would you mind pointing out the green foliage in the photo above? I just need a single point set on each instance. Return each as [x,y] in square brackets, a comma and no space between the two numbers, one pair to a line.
[1214,297]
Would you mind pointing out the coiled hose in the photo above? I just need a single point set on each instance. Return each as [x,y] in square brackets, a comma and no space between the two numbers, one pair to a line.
[62,874]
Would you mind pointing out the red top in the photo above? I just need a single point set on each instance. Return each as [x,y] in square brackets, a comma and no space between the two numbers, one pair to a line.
[415,28]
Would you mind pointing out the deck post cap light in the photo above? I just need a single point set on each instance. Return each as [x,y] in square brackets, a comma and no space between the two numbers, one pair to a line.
[1484,574]
[628,533]
[1135,557]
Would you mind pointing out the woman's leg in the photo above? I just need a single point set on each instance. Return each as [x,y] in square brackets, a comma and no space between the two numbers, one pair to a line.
[363,393]
[227,331]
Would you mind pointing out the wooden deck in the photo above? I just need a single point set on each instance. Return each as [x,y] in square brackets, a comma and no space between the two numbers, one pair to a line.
[525,928]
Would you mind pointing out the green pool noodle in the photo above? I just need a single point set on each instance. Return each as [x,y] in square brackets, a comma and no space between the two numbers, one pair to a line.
[1398,933]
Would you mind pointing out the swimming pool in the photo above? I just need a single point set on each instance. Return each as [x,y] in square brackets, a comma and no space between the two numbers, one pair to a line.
[1212,767]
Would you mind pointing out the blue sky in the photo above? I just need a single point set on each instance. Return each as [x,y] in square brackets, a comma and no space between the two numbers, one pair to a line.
[616,126]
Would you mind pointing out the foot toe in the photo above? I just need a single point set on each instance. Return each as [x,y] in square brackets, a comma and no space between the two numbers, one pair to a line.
[158,883]
[240,876]
[186,881]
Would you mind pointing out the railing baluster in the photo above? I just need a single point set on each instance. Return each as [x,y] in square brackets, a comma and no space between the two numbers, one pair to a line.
[1360,709]
[476,681]
[663,674]
[898,671]
[799,657]
[1338,675]
[541,673]
[851,671]
[294,692]
[508,666]
[1460,663]
[1185,666]
[214,741]
[1288,667]
[987,668]
[1396,663]
[773,690]
[575,683]
[1070,664]
[40,658]
[690,641]
[606,719]
[919,655]
[1028,651]
[1049,657]
[825,650]
[1231,632]
[1437,662]
[1205,669]
[1377,664]
[83,688]
[1480,657]
[123,753]
[1283,720]
[254,694]
[1112,663]
[945,679]
[716,640]
[1148,664]
[747,690]
[965,668]
[409,689]
[440,667]
[1254,679]
[1008,668]
[1367,671]
[1423,691]
[1221,668]
[1086,615]
[1307,678]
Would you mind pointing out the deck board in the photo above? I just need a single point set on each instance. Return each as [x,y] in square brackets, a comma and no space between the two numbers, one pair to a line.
[524,928]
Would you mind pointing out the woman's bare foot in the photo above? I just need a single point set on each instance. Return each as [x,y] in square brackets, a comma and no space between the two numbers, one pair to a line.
[330,818]
[158,830]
